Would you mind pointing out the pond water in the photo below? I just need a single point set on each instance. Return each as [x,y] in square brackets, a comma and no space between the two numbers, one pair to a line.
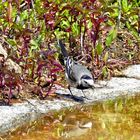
[111,120]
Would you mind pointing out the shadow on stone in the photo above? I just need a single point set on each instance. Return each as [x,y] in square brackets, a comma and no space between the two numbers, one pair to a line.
[72,97]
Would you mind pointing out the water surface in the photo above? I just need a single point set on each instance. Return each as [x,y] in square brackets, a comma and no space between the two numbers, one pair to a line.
[111,120]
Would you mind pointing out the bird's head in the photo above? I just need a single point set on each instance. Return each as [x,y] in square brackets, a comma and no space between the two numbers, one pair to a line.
[87,81]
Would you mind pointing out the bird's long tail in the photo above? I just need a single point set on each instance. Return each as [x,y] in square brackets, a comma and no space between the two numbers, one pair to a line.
[62,46]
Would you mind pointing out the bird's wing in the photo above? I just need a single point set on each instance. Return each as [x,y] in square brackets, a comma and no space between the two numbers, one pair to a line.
[71,74]
[79,70]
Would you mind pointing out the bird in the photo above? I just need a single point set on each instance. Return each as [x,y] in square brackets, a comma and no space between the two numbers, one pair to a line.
[76,74]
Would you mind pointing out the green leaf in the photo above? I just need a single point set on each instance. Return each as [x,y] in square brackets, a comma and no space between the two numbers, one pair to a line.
[65,24]
[105,57]
[112,35]
[75,29]
[40,38]
[12,42]
[24,15]
[93,53]
[128,24]
[99,48]
[89,24]
[125,5]
[104,71]
[34,45]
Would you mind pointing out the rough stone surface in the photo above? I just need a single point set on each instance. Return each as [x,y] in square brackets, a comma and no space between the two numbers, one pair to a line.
[12,117]
[10,65]
[132,71]
[115,87]
[3,51]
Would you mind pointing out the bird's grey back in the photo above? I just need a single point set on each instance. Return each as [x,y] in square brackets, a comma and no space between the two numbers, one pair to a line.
[80,70]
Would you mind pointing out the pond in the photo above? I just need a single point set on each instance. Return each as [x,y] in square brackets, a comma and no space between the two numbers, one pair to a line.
[111,120]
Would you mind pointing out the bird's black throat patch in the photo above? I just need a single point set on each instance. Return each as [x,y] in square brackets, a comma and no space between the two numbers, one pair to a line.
[81,87]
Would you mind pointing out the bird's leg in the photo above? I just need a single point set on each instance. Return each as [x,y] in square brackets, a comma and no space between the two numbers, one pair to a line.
[70,90]
[83,93]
